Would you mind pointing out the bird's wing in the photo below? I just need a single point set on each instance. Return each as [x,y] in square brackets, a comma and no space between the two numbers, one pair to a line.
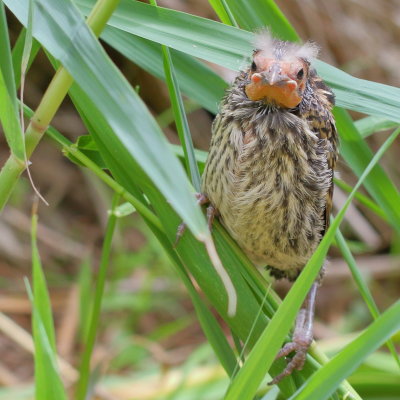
[322,122]
[332,157]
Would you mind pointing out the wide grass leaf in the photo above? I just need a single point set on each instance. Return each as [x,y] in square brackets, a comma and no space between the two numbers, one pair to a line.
[230,47]
[62,30]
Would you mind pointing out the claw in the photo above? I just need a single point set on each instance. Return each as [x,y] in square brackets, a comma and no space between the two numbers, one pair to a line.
[302,337]
[297,362]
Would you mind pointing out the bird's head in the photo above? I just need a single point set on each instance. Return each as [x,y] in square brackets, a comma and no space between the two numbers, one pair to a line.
[279,71]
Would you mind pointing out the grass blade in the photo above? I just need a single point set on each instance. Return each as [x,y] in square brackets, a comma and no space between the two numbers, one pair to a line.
[180,119]
[366,201]
[8,98]
[48,385]
[90,340]
[10,122]
[369,125]
[223,12]
[5,57]
[362,287]
[17,53]
[260,13]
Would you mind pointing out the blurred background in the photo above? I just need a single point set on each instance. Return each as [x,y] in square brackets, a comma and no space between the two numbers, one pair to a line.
[150,341]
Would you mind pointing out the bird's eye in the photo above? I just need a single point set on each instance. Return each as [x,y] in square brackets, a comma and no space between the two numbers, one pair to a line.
[253,66]
[300,74]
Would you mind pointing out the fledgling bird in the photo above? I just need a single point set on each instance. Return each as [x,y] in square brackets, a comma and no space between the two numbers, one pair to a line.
[270,167]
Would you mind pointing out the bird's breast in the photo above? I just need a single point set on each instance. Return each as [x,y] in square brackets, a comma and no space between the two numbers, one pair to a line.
[269,182]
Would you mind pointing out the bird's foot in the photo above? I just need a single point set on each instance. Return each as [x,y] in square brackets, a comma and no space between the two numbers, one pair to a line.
[302,337]
[300,348]
[211,213]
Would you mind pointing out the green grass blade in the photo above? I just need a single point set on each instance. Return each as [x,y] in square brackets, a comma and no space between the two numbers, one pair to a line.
[84,376]
[8,98]
[17,53]
[180,119]
[223,12]
[131,122]
[364,96]
[5,57]
[256,14]
[26,51]
[345,362]
[41,295]
[362,286]
[366,201]
[10,122]
[85,298]
[247,381]
[369,125]
[48,385]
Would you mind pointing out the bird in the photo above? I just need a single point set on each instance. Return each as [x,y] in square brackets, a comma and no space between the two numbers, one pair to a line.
[269,172]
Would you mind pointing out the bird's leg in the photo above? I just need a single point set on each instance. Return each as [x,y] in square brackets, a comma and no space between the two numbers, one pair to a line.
[302,336]
[211,213]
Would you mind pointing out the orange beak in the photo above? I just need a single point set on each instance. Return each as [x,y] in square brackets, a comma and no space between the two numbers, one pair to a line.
[275,86]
